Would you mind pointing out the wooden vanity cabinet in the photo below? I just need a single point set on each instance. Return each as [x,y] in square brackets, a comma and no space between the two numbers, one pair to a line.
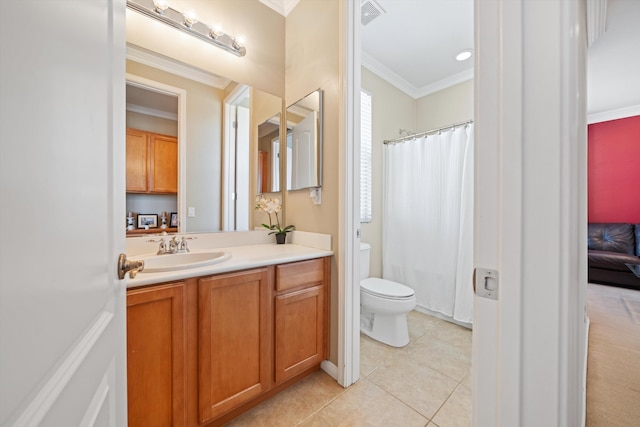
[203,350]
[234,336]
[300,317]
[152,162]
[156,355]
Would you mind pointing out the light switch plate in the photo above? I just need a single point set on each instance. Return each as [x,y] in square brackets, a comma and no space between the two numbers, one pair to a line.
[191,212]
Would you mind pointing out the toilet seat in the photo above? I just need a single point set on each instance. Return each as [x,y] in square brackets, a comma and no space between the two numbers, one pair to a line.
[386,289]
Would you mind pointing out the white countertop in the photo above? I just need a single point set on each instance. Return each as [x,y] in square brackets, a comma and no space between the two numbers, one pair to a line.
[242,258]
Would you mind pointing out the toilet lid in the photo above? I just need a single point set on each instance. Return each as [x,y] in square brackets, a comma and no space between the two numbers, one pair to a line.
[385,288]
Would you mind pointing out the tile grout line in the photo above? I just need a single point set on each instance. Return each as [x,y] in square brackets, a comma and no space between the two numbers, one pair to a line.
[400,400]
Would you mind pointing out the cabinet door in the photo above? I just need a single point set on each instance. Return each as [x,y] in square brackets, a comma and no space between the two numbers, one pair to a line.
[156,347]
[164,164]
[299,331]
[137,155]
[234,340]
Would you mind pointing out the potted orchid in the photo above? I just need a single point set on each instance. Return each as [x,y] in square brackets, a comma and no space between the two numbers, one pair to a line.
[273,206]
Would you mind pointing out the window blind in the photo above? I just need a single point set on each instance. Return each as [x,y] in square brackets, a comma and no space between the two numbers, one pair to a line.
[365,157]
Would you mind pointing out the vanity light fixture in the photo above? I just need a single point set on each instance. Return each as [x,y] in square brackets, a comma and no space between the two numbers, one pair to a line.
[188,22]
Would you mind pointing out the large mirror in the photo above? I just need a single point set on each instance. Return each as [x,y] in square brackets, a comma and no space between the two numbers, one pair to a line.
[304,142]
[217,125]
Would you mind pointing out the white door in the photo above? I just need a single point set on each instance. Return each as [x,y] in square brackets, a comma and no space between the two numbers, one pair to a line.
[62,318]
[530,213]
[305,147]
[235,201]
[242,169]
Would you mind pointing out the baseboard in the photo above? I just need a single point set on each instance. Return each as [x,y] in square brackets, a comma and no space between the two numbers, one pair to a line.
[450,319]
[584,373]
[330,369]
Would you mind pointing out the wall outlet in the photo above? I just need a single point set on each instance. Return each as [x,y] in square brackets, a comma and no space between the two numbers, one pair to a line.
[191,212]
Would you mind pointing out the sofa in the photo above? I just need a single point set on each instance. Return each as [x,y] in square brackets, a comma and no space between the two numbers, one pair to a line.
[611,246]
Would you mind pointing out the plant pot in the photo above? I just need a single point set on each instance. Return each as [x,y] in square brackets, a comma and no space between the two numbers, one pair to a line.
[281,238]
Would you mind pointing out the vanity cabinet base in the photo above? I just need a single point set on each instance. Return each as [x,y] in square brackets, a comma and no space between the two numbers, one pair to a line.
[156,355]
[204,350]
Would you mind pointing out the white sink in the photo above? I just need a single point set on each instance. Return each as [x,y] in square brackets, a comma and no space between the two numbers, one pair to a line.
[170,262]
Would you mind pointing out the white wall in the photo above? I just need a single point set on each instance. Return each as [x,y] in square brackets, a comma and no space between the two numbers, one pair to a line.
[393,110]
[312,51]
[448,106]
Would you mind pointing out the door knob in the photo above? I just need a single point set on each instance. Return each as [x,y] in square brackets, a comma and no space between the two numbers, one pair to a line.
[132,267]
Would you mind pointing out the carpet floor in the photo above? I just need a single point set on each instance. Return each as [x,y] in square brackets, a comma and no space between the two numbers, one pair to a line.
[613,360]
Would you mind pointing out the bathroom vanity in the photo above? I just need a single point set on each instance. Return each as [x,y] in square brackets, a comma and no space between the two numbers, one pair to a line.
[203,349]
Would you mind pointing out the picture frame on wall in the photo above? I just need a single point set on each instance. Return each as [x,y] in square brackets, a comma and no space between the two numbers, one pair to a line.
[146,221]
[173,221]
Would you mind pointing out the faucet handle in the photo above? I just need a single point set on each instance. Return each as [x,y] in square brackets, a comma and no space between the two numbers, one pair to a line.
[183,245]
[162,248]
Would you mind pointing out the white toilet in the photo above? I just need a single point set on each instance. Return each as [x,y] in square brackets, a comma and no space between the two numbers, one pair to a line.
[383,305]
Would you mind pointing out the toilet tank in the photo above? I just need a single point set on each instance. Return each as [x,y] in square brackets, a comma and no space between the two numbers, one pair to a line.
[365,252]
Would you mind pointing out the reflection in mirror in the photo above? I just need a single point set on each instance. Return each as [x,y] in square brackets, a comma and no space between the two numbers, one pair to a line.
[304,142]
[269,155]
[208,145]
[151,157]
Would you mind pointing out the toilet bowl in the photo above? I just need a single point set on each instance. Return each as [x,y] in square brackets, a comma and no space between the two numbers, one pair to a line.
[384,305]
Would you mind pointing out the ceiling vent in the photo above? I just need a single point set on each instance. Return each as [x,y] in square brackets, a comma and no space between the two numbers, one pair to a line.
[370,10]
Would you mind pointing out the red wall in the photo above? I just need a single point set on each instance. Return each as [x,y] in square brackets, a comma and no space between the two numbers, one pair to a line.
[614,171]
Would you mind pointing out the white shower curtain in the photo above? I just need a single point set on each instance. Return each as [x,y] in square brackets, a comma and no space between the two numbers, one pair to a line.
[428,220]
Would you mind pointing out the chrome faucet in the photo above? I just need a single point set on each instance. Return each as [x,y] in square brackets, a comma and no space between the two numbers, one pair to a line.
[173,246]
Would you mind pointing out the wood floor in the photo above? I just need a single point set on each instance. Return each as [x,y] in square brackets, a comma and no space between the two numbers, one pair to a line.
[613,364]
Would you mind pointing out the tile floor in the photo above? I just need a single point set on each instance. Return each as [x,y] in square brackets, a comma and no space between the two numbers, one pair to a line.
[426,383]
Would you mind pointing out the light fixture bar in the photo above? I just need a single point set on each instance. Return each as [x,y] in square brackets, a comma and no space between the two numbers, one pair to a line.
[177,20]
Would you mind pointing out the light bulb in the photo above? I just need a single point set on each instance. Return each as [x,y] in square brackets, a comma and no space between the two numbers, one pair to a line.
[216,31]
[160,6]
[238,42]
[190,18]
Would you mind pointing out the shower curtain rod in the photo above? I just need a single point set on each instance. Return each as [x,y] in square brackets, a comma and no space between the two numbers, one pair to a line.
[421,134]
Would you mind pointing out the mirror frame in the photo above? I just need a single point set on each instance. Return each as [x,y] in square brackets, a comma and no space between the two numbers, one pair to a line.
[319,143]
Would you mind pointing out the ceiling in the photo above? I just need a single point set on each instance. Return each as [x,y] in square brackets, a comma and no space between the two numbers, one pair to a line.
[613,61]
[413,45]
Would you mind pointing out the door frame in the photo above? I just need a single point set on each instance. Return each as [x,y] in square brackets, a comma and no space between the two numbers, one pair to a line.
[515,387]
[530,180]
[181,94]
[348,371]
[229,155]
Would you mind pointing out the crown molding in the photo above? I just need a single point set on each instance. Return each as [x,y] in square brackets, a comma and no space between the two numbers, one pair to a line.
[147,57]
[283,7]
[289,5]
[445,83]
[620,113]
[391,77]
[414,92]
[152,112]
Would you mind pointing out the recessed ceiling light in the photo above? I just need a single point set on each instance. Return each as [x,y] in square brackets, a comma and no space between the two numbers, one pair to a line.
[464,55]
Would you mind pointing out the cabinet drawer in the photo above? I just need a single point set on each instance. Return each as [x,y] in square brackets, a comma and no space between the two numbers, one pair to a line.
[289,276]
